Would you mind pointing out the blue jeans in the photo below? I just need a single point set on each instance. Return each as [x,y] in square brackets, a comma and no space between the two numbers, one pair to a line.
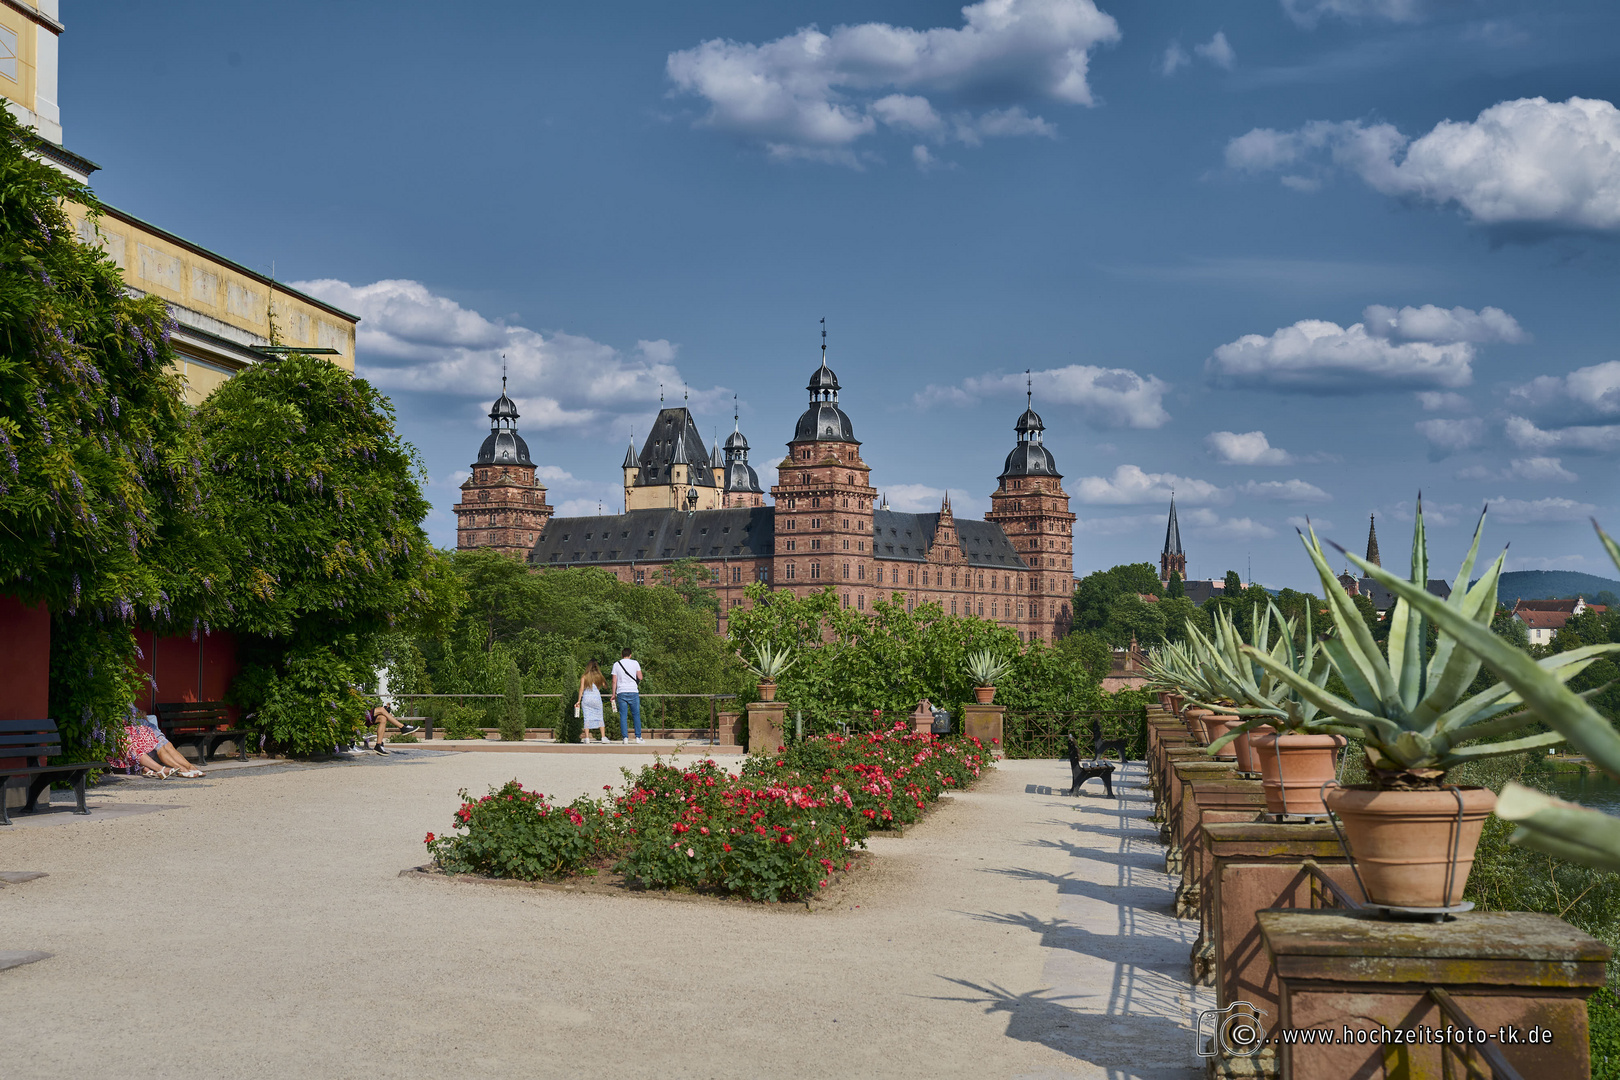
[629,706]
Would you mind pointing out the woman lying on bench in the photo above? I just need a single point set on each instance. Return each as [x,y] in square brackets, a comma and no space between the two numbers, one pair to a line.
[148,750]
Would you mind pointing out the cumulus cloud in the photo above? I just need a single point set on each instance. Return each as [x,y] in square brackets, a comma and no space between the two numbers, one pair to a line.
[1535,469]
[1174,57]
[1443,401]
[1106,397]
[1207,524]
[1390,349]
[1130,485]
[1122,525]
[1308,13]
[1218,51]
[1524,434]
[1298,491]
[1527,162]
[815,95]
[1246,448]
[411,339]
[1451,436]
[1538,511]
[1586,395]
[922,499]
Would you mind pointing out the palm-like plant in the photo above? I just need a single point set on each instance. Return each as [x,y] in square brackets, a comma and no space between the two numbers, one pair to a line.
[1554,826]
[1411,709]
[985,667]
[1253,689]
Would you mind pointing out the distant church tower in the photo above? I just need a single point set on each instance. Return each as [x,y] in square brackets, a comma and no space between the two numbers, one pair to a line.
[1172,559]
[502,507]
[1032,508]
[1372,540]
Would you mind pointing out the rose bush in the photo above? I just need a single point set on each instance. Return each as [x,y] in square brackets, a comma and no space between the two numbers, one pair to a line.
[778,831]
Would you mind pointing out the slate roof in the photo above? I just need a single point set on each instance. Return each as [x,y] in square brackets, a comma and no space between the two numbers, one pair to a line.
[657,536]
[674,440]
[1538,619]
[1384,600]
[907,538]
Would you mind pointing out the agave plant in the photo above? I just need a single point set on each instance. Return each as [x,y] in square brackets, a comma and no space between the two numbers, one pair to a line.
[985,667]
[1174,667]
[769,664]
[1577,833]
[1410,709]
[1254,690]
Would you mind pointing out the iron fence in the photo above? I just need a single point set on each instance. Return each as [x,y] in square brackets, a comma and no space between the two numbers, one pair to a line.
[1046,734]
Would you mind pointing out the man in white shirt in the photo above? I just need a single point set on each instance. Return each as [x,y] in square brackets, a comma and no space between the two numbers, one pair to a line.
[627,692]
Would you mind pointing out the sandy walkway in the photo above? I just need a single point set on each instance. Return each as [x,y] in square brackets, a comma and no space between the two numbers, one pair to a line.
[253,925]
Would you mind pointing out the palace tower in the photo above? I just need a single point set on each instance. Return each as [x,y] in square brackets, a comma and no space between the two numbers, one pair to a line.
[502,506]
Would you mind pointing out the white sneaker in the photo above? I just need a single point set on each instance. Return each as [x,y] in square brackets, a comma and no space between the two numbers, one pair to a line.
[638,738]
[627,740]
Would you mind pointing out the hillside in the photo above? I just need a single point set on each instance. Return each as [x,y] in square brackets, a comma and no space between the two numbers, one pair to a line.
[1546,584]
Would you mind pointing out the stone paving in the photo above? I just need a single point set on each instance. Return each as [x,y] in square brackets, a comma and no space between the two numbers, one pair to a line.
[254,924]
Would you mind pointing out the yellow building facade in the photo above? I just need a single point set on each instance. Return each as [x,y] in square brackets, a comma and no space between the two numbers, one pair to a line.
[224,312]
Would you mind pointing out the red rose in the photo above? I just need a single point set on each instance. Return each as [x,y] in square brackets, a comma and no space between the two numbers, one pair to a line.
[429,839]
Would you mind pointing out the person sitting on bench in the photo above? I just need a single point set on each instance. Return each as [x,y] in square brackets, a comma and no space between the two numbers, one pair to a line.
[147,749]
[382,718]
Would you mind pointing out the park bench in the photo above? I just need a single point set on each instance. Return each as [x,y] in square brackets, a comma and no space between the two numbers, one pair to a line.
[1087,770]
[1100,745]
[204,724]
[31,739]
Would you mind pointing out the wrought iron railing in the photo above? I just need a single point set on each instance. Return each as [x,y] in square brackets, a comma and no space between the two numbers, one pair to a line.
[1035,734]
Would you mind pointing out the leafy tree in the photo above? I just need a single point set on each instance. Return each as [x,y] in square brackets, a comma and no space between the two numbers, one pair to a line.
[1174,587]
[102,517]
[1095,593]
[695,584]
[1131,618]
[1178,611]
[1089,652]
[1234,584]
[324,520]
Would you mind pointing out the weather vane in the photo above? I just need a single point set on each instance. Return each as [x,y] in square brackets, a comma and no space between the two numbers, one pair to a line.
[824,341]
[1029,389]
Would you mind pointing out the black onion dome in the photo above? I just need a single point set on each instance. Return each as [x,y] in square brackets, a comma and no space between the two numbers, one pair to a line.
[504,408]
[736,441]
[1030,421]
[825,421]
[1030,459]
[823,380]
[504,447]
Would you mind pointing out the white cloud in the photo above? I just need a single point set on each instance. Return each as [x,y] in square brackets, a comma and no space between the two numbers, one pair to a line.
[1130,485]
[1452,436]
[1283,491]
[1174,57]
[1307,12]
[411,339]
[1585,395]
[1534,469]
[814,95]
[1321,525]
[1119,526]
[1218,51]
[1246,448]
[1431,323]
[1106,397]
[1576,440]
[922,499]
[1434,513]
[1443,401]
[1207,524]
[1524,162]
[1538,511]
[923,159]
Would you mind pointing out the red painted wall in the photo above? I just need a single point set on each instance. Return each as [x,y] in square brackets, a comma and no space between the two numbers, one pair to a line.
[188,670]
[25,660]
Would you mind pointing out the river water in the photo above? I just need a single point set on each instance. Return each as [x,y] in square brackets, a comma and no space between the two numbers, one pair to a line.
[1597,790]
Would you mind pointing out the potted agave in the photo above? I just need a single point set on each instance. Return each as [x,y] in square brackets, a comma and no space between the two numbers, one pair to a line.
[1174,665]
[1293,758]
[1411,835]
[984,668]
[769,665]
[1554,826]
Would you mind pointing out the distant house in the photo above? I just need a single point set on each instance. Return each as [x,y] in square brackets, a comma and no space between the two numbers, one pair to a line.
[1382,599]
[1543,619]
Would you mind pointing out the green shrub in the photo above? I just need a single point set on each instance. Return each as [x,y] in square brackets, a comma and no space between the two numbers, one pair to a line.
[462,721]
[515,833]
[1603,1019]
[514,718]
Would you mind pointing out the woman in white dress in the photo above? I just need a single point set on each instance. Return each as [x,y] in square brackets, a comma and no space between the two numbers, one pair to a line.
[591,685]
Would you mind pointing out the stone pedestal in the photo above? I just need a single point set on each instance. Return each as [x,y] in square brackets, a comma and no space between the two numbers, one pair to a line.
[1514,973]
[766,722]
[983,722]
[1165,790]
[729,725]
[1177,808]
[1221,800]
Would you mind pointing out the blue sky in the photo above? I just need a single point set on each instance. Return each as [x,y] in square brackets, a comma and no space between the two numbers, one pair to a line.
[1379,233]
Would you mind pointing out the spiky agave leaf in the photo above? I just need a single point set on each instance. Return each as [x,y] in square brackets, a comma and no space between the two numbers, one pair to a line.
[1577,833]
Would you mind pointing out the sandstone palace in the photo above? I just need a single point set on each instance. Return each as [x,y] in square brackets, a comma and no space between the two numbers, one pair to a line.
[821,526]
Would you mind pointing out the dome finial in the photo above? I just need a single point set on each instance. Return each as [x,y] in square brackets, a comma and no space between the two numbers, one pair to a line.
[1029,390]
[503,374]
[734,413]
[824,341]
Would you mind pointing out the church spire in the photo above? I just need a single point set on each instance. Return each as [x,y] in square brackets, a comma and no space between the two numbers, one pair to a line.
[1172,559]
[1372,540]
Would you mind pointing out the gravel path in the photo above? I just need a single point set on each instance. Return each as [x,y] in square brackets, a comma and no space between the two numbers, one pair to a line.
[253,924]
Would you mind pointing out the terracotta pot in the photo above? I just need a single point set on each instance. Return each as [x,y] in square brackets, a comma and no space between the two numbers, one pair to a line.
[1245,753]
[1175,703]
[767,691]
[984,695]
[1294,768]
[1196,720]
[1402,841]
[1219,724]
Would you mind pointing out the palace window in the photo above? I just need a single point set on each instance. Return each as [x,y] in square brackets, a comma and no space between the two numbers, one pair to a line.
[787,545]
[981,581]
[815,571]
[910,603]
[815,523]
[860,572]
[981,607]
[860,602]
[860,545]
[483,496]
[762,573]
[953,579]
[846,544]
[911,578]
[815,544]
[815,502]
[992,609]
[714,576]
[641,577]
[953,606]
[790,571]
[851,479]
[736,574]
[846,599]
